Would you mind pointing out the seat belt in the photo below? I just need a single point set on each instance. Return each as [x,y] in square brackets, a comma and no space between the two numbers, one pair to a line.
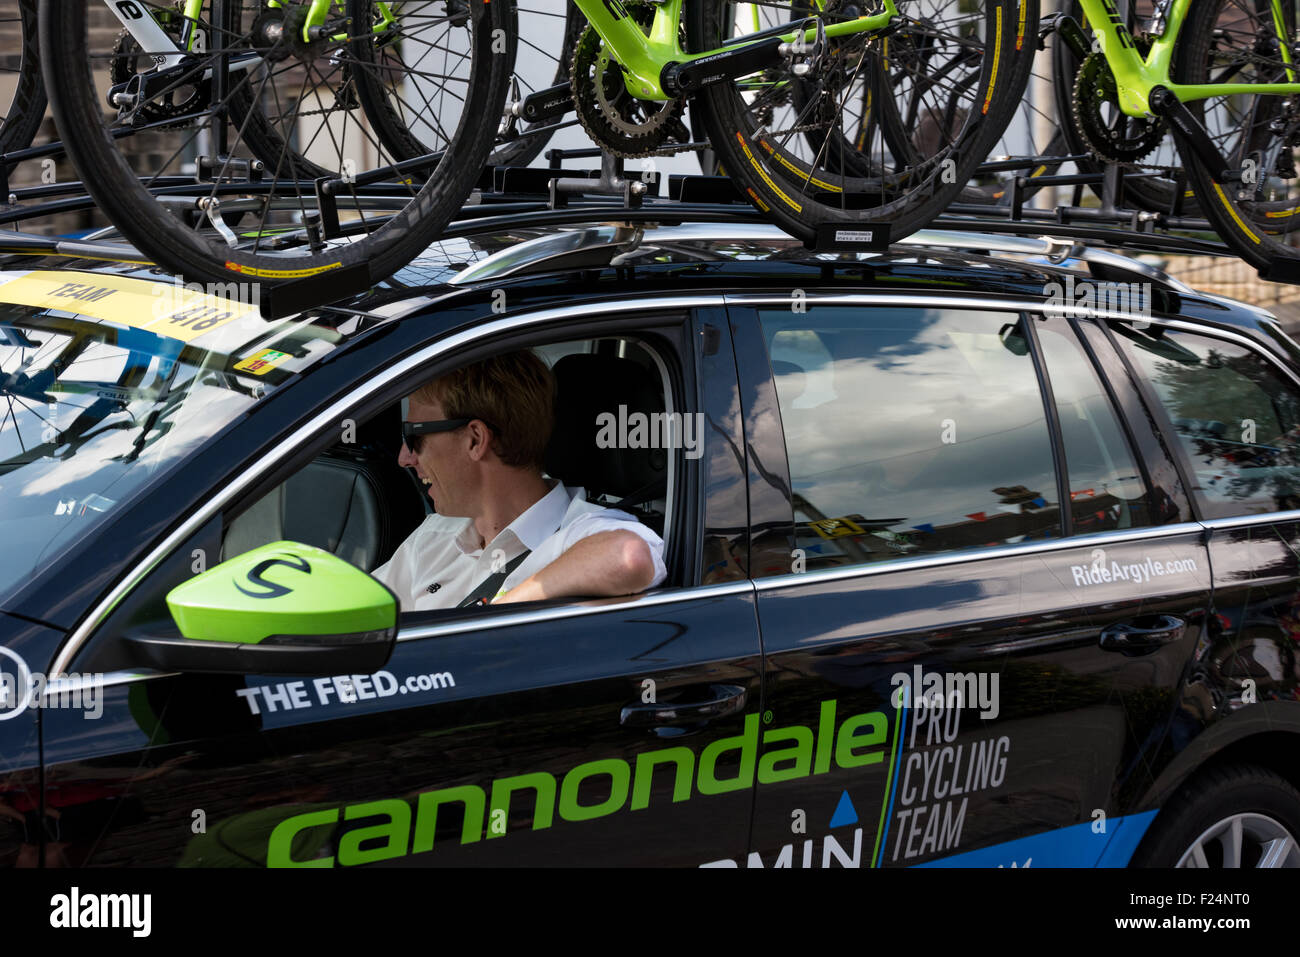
[489,587]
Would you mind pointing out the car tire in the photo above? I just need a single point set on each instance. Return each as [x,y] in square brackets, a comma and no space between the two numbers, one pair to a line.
[1238,816]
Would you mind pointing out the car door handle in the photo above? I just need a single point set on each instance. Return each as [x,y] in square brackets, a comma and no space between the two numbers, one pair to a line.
[1143,635]
[721,700]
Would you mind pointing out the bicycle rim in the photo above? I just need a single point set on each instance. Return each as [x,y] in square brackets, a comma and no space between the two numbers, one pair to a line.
[1258,135]
[293,110]
[914,143]
[23,105]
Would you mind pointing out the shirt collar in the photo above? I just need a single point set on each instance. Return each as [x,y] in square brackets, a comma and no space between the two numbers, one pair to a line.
[532,527]
[540,520]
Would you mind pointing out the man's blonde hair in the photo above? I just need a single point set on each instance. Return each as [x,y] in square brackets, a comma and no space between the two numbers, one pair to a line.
[514,392]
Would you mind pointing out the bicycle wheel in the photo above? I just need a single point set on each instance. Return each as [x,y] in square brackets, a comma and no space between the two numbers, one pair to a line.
[293,111]
[20,73]
[784,136]
[1234,41]
[400,91]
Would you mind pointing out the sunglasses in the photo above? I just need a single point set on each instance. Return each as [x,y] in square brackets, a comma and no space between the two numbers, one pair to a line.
[413,430]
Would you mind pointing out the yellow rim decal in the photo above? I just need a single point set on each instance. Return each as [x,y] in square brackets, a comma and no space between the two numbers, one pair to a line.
[1020,30]
[1281,214]
[280,273]
[763,174]
[757,199]
[263,362]
[862,127]
[1233,213]
[806,177]
[997,55]
[164,309]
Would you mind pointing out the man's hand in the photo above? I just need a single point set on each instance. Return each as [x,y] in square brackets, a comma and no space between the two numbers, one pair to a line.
[607,563]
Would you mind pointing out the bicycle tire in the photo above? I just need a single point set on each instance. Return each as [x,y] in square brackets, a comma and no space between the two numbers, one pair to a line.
[903,58]
[22,116]
[906,197]
[404,129]
[126,199]
[1219,33]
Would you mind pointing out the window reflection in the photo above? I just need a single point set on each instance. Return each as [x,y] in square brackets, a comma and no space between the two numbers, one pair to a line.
[910,431]
[1236,417]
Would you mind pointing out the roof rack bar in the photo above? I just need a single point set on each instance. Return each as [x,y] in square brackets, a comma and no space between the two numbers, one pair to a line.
[1102,262]
[1028,162]
[1164,242]
[32,244]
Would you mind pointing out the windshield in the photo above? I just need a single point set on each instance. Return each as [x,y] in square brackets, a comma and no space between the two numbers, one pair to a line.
[107,383]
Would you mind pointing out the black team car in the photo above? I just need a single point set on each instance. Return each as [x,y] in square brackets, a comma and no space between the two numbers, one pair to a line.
[972,561]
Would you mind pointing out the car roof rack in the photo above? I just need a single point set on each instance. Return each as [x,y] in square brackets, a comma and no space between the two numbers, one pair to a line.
[530,198]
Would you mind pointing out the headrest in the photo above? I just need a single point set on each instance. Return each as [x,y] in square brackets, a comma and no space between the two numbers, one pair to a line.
[606,401]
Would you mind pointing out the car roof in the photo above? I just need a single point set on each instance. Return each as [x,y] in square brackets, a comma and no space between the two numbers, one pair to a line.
[534,253]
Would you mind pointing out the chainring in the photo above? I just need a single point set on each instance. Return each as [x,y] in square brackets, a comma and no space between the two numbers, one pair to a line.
[615,119]
[1123,139]
[126,63]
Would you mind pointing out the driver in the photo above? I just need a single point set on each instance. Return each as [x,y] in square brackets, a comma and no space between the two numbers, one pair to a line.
[503,533]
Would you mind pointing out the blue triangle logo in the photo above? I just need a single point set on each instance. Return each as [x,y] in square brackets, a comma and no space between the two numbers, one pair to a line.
[845,813]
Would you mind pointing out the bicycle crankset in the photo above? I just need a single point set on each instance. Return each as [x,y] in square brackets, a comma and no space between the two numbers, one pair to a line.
[181,98]
[615,119]
[1110,133]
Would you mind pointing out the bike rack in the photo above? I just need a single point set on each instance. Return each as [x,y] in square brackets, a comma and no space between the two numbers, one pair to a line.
[556,196]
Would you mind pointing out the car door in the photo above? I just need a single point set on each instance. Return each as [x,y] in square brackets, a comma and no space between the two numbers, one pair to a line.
[1232,411]
[958,668]
[616,731]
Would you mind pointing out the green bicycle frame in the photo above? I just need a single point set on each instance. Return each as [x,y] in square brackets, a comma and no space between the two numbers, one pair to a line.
[317,13]
[644,57]
[1136,77]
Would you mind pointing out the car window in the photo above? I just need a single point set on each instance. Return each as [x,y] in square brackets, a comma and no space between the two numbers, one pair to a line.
[910,431]
[356,501]
[1105,487]
[108,386]
[1236,416]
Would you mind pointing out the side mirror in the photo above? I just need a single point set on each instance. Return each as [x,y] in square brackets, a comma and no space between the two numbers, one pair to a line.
[282,609]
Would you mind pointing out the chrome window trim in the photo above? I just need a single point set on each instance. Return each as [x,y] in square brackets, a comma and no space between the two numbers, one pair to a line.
[966,301]
[977,554]
[589,607]
[1255,518]
[508,323]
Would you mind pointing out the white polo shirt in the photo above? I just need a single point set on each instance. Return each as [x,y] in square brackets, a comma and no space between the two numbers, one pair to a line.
[440,563]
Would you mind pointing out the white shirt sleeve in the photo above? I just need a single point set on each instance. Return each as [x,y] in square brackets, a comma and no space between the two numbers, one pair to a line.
[612,520]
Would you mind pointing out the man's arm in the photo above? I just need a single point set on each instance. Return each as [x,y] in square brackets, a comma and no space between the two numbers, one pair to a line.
[607,563]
